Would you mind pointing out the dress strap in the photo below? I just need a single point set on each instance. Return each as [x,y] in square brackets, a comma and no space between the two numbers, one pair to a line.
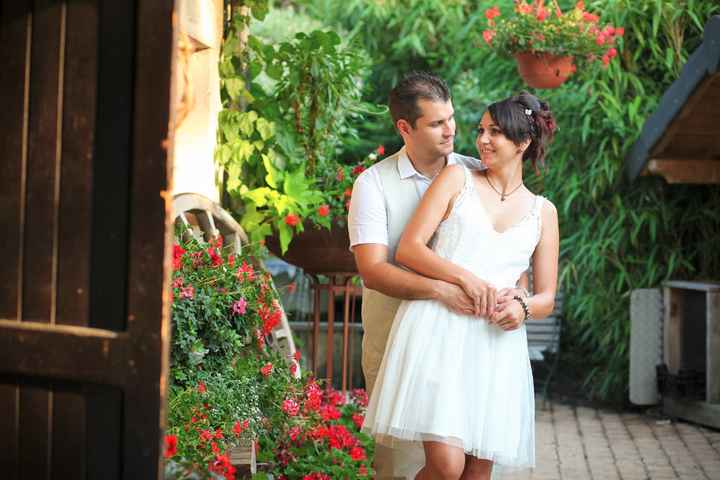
[468,178]
[537,207]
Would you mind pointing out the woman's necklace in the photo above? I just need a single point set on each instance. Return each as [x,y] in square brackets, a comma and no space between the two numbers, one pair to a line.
[502,194]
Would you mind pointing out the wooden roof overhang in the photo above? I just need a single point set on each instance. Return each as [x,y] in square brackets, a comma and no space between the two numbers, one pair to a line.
[681,140]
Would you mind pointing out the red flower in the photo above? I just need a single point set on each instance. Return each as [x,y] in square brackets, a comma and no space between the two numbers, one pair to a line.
[294,433]
[324,210]
[201,387]
[542,14]
[357,454]
[340,176]
[605,60]
[360,396]
[231,260]
[488,36]
[292,219]
[170,446]
[600,39]
[590,18]
[178,252]
[219,433]
[293,368]
[267,369]
[358,169]
[246,272]
[524,9]
[380,150]
[206,436]
[619,31]
[358,420]
[348,192]
[297,355]
[335,397]
[238,428]
[362,471]
[290,407]
[491,13]
[215,259]
[580,5]
[612,53]
[329,412]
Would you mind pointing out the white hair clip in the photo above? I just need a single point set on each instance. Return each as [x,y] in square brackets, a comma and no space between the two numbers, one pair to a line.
[528,111]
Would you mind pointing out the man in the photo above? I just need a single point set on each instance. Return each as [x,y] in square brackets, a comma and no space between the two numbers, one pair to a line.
[383,200]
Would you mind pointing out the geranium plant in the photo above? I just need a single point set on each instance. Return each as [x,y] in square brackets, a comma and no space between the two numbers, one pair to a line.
[229,387]
[537,27]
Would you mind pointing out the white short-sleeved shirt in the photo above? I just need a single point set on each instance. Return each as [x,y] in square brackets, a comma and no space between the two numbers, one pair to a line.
[367,218]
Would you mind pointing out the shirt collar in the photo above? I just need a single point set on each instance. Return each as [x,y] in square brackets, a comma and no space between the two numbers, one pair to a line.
[406,168]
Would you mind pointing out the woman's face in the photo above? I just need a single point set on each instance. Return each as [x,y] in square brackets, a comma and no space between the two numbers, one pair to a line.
[493,146]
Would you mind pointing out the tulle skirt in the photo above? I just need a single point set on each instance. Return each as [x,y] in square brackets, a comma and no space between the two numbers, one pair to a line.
[458,380]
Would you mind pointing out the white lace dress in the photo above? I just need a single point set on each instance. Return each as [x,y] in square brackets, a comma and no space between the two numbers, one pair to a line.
[455,378]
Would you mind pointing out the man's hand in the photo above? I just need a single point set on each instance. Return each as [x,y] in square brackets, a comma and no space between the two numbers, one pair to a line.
[509,314]
[455,298]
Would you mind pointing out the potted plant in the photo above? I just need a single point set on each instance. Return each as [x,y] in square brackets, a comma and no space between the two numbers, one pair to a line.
[548,44]
[287,109]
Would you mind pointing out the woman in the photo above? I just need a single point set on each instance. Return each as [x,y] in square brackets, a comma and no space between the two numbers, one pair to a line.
[462,385]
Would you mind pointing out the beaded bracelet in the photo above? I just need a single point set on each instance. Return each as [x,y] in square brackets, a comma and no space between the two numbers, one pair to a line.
[524,306]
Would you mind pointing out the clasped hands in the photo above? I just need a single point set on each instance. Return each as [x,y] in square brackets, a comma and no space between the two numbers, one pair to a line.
[475,296]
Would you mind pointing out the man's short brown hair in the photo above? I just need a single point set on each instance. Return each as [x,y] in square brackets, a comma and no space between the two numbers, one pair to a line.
[403,101]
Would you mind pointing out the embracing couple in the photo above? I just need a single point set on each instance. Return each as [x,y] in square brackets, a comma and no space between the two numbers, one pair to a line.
[443,243]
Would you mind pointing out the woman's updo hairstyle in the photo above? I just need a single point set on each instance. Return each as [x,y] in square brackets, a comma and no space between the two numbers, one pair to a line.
[525,116]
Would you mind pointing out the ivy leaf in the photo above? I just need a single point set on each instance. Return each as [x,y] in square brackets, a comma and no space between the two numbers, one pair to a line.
[274,71]
[234,177]
[243,150]
[265,128]
[234,87]
[247,122]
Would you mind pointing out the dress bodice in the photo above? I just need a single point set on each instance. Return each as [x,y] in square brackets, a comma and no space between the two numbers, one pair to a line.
[467,238]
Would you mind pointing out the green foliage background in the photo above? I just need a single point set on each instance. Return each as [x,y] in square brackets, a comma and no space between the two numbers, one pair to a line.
[616,235]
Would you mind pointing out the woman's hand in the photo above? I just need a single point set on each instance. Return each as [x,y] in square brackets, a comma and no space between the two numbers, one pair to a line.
[482,293]
[509,314]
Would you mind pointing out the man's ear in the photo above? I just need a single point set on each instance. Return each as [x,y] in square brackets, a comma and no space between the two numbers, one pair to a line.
[403,126]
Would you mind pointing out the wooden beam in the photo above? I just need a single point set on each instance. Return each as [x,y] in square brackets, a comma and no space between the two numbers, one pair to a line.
[34,349]
[685,170]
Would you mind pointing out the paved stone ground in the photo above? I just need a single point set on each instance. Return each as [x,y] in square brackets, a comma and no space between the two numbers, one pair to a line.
[579,443]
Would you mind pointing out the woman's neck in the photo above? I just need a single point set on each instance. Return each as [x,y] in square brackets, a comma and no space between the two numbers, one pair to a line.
[507,177]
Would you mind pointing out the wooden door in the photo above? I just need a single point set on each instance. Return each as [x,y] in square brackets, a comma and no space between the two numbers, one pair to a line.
[85,110]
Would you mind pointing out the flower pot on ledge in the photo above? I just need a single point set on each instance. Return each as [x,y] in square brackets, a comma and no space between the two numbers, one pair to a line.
[317,250]
[543,70]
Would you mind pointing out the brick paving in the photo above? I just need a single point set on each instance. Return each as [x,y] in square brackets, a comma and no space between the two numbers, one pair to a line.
[580,443]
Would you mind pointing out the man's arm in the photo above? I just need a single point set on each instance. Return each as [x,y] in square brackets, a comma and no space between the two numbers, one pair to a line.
[379,274]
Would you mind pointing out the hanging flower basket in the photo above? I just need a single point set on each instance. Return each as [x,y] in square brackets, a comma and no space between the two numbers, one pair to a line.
[550,44]
[544,70]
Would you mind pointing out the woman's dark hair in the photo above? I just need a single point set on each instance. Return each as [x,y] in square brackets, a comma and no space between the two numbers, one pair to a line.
[525,116]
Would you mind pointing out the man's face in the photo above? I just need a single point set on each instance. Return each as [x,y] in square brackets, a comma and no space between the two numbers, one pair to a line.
[434,130]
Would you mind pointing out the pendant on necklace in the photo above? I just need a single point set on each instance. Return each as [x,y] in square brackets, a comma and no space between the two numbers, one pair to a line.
[502,198]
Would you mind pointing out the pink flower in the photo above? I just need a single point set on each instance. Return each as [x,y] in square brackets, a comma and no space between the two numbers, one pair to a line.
[612,53]
[605,60]
[619,31]
[290,407]
[239,307]
[488,35]
[187,292]
[600,39]
[267,369]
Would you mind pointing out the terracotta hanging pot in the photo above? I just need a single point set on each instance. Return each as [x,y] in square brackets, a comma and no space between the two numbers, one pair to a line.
[543,70]
[318,250]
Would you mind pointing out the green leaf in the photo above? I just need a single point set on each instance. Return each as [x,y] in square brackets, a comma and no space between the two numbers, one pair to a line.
[259,196]
[285,235]
[265,128]
[247,122]
[272,174]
